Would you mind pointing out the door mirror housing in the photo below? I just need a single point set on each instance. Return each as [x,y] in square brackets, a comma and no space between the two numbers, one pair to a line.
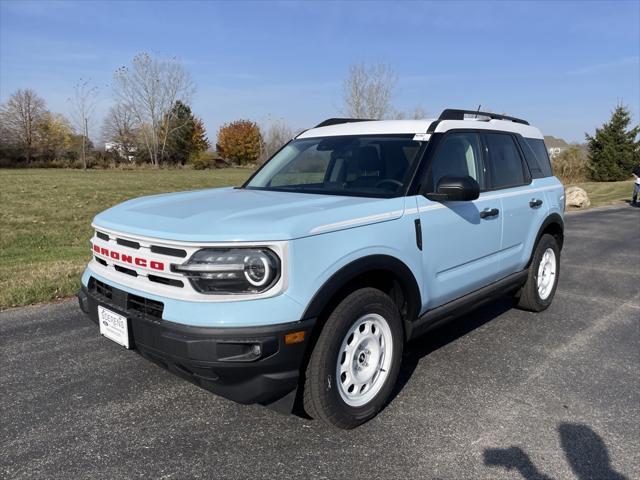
[452,188]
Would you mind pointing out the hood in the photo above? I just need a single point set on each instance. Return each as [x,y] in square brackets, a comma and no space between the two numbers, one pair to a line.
[229,214]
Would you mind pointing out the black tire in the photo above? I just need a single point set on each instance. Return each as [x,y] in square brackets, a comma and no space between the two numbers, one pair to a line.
[322,399]
[529,298]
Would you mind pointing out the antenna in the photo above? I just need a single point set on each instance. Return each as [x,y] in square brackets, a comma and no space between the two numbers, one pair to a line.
[478,110]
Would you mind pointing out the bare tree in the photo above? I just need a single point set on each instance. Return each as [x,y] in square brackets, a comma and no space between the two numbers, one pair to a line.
[119,127]
[418,113]
[20,116]
[368,90]
[83,104]
[149,89]
[277,134]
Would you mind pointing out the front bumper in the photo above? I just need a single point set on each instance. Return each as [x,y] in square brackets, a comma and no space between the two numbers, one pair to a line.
[222,360]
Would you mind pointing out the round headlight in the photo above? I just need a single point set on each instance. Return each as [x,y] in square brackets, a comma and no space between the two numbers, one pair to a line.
[231,270]
[256,269]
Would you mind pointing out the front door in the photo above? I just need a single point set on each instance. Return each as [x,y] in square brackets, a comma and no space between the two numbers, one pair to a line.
[461,240]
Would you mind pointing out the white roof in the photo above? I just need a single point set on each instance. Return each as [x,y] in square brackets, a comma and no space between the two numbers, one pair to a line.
[418,127]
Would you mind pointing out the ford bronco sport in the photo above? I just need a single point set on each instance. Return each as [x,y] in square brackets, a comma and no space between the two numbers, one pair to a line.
[303,285]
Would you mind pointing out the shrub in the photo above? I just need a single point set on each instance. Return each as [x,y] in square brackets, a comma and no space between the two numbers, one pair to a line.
[202,161]
[240,142]
[570,166]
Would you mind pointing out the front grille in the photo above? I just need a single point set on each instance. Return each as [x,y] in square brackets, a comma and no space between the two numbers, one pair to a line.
[121,261]
[165,281]
[144,307]
[128,243]
[173,252]
[102,289]
[128,302]
[128,271]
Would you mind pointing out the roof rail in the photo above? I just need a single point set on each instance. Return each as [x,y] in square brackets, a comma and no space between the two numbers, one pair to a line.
[337,121]
[454,114]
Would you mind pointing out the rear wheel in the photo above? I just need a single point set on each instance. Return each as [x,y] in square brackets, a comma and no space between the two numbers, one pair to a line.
[355,363]
[538,292]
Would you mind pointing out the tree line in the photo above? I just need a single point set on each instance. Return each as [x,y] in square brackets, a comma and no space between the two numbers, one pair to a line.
[151,122]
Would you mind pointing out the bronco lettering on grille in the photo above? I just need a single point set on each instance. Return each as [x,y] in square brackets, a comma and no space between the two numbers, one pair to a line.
[131,260]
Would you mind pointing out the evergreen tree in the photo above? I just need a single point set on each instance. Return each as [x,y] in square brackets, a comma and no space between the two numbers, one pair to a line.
[614,150]
[199,141]
[187,136]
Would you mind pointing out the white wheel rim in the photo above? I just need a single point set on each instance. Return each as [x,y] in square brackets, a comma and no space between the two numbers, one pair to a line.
[364,360]
[546,273]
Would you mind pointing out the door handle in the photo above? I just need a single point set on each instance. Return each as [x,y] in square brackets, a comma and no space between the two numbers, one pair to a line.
[536,202]
[489,212]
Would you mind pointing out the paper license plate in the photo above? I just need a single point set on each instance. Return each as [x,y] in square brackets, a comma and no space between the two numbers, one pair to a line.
[114,326]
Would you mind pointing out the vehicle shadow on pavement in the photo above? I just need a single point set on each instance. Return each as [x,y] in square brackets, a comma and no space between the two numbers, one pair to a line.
[442,335]
[584,449]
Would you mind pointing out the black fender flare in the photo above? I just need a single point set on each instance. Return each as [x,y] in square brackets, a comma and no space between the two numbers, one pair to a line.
[359,267]
[553,219]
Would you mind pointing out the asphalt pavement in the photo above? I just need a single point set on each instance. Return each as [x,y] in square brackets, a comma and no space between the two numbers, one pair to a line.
[499,393]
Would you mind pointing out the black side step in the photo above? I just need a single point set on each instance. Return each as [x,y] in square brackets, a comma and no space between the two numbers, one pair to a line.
[470,301]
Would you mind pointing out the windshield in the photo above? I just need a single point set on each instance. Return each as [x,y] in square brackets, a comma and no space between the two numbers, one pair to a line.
[366,165]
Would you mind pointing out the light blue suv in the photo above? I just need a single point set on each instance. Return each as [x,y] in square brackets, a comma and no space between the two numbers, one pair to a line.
[302,286]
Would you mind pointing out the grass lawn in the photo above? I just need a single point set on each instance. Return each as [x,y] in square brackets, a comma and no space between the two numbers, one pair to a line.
[604,193]
[45,221]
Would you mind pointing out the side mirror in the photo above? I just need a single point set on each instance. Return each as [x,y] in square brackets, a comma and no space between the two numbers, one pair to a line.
[456,189]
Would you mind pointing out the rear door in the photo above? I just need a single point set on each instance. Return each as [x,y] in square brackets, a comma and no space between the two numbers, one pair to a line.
[459,244]
[522,204]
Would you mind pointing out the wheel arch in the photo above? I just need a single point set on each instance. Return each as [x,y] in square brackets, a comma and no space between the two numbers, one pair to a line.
[384,272]
[553,225]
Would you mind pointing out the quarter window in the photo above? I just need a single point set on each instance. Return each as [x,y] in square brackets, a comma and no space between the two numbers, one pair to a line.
[458,155]
[539,163]
[505,165]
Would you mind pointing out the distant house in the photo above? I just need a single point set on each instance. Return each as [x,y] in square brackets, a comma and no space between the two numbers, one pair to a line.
[216,160]
[555,146]
[120,149]
[220,162]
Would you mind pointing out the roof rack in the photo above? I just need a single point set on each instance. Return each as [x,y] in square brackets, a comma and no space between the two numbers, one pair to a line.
[338,121]
[454,114]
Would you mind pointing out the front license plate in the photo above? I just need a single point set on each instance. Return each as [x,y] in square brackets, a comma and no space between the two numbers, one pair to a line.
[114,326]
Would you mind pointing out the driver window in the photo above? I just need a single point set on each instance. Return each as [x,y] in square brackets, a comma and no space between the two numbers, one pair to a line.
[458,155]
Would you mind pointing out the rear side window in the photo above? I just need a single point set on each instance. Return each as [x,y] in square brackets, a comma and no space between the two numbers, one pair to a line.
[505,164]
[535,151]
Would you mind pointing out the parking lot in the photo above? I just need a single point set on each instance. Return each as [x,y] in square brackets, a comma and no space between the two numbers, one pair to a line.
[500,393]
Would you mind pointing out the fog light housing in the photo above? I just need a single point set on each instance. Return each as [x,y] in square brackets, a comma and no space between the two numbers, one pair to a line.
[245,351]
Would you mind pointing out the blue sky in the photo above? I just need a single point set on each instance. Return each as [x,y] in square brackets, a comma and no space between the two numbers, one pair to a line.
[562,65]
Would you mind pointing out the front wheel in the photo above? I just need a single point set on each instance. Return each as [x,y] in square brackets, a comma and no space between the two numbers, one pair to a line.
[355,362]
[538,291]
